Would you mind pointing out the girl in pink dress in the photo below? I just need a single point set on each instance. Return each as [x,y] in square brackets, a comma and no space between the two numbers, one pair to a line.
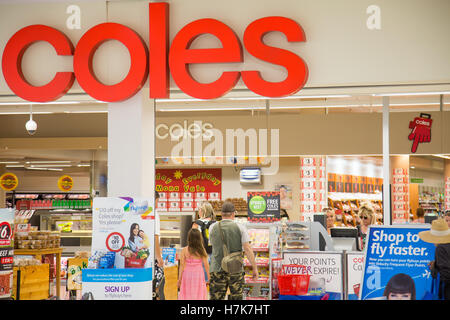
[191,279]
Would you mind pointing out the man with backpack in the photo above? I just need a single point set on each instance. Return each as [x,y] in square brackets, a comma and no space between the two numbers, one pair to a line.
[229,240]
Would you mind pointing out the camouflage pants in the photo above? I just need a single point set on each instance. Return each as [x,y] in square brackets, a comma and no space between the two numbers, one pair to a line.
[221,281]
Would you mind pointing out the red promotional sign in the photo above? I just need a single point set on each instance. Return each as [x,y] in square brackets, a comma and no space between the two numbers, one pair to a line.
[185,189]
[188,180]
[421,130]
[160,59]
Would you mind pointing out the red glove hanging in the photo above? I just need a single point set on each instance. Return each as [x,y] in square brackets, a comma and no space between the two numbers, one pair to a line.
[421,130]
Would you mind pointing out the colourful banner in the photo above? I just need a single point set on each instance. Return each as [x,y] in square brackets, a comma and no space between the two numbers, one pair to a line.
[263,206]
[396,264]
[186,189]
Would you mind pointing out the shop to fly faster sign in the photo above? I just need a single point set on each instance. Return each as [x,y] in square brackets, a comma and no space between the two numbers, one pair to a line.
[159,60]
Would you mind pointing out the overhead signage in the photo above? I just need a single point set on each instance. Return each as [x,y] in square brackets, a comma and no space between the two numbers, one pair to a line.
[65,183]
[160,60]
[421,130]
[396,265]
[9,181]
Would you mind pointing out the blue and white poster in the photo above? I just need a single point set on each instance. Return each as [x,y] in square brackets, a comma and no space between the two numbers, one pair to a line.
[396,264]
[121,262]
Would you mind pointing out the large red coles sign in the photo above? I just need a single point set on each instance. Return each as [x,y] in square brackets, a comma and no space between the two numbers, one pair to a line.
[156,62]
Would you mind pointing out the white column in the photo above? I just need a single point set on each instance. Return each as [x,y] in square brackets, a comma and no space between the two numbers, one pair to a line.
[131,147]
[386,164]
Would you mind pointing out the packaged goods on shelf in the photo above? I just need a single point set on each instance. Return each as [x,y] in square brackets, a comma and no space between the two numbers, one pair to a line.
[24,261]
[37,240]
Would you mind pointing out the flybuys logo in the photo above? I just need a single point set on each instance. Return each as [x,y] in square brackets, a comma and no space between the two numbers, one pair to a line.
[134,207]
[257,204]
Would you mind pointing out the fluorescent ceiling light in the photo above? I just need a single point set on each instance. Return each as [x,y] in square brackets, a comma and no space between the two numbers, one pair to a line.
[44,169]
[199,108]
[9,162]
[88,111]
[37,103]
[410,93]
[15,166]
[84,165]
[441,156]
[50,161]
[294,97]
[22,112]
[180,100]
[49,165]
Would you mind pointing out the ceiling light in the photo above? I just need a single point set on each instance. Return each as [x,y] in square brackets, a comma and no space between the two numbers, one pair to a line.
[22,112]
[44,169]
[441,156]
[409,93]
[37,104]
[49,165]
[9,162]
[294,97]
[49,161]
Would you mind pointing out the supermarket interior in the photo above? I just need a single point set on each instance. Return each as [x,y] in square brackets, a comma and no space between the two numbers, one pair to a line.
[339,144]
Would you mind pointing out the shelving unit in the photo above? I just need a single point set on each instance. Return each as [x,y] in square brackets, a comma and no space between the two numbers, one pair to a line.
[53,209]
[260,237]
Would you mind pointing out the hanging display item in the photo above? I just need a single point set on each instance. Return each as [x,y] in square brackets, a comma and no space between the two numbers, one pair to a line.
[65,183]
[421,130]
[9,181]
[186,189]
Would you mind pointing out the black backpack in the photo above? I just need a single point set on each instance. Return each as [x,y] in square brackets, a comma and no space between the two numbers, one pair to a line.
[205,233]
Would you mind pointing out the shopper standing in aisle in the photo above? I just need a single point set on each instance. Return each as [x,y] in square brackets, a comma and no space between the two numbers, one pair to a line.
[331,218]
[193,260]
[206,219]
[159,279]
[366,215]
[420,215]
[439,234]
[447,217]
[236,239]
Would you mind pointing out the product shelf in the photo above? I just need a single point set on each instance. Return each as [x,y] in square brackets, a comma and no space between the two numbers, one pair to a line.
[249,280]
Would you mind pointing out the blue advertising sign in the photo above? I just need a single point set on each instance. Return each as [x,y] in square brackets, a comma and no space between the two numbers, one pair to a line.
[396,263]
